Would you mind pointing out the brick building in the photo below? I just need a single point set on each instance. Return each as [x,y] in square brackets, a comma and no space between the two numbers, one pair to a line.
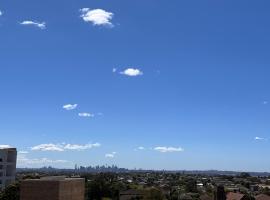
[53,188]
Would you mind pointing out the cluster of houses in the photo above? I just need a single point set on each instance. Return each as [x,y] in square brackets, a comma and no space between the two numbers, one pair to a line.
[235,187]
[184,186]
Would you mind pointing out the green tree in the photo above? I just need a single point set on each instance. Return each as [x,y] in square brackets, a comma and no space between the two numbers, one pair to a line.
[191,186]
[103,185]
[12,192]
[266,191]
[244,175]
[154,193]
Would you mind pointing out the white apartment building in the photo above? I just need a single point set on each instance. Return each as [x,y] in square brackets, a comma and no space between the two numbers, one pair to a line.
[8,158]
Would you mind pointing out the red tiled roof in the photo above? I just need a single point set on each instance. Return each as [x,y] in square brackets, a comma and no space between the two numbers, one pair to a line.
[234,196]
[262,197]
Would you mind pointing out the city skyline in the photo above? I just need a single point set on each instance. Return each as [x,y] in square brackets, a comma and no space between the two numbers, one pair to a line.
[146,84]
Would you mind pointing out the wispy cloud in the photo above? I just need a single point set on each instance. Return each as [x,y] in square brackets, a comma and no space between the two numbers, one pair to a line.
[98,17]
[265,102]
[114,70]
[260,138]
[23,152]
[132,72]
[41,25]
[86,115]
[70,106]
[110,155]
[23,160]
[81,147]
[139,148]
[4,146]
[48,147]
[168,149]
[100,114]
[64,147]
[1,13]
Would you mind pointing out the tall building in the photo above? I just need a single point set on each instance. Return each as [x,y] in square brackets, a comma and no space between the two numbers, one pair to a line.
[8,158]
[53,188]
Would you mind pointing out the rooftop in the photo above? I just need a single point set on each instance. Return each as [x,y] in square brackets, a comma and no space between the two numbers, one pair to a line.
[8,148]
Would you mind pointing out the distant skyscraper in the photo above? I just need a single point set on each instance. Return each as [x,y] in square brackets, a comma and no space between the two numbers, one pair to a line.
[8,158]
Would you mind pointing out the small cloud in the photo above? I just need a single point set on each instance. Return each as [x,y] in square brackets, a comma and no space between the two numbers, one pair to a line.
[98,17]
[47,147]
[100,114]
[70,106]
[86,115]
[80,147]
[110,155]
[259,138]
[63,147]
[139,148]
[114,70]
[41,25]
[132,72]
[1,13]
[265,102]
[5,146]
[168,149]
[23,152]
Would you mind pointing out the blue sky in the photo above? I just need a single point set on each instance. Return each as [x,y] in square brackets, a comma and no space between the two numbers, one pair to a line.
[147,84]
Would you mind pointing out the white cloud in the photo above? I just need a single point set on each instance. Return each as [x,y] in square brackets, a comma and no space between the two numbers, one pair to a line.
[80,147]
[97,17]
[70,106]
[259,138]
[63,147]
[110,155]
[139,148]
[168,149]
[132,72]
[41,25]
[5,146]
[1,13]
[86,115]
[114,70]
[23,160]
[47,147]
[23,152]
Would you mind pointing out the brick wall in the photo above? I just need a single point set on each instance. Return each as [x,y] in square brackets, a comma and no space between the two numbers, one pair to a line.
[52,190]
